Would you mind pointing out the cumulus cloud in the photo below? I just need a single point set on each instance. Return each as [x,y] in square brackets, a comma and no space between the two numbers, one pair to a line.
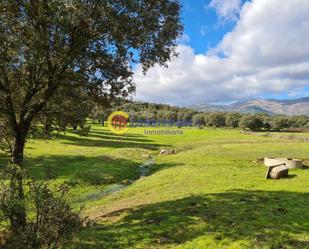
[266,53]
[227,10]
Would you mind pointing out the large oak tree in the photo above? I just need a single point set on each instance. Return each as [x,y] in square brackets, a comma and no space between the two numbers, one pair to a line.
[50,45]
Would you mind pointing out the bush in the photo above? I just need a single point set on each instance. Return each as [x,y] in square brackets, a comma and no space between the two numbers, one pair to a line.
[215,119]
[51,223]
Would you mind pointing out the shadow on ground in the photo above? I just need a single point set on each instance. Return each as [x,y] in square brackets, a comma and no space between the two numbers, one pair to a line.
[93,170]
[262,219]
[126,136]
[86,168]
[106,139]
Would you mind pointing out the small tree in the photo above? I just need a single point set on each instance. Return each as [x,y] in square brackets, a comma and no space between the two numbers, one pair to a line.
[280,122]
[299,121]
[232,119]
[215,119]
[251,122]
[187,116]
[198,119]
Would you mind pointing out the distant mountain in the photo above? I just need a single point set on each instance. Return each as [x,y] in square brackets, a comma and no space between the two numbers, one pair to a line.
[270,106]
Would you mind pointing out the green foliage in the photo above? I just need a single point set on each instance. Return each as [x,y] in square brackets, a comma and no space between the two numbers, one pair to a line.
[58,57]
[5,137]
[299,121]
[50,220]
[215,119]
[68,108]
[280,122]
[159,112]
[232,120]
[251,122]
[198,119]
[187,115]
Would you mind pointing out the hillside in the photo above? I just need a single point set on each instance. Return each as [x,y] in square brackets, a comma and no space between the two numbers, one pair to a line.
[270,106]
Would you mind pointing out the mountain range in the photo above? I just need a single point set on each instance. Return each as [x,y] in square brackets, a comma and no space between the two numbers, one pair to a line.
[271,106]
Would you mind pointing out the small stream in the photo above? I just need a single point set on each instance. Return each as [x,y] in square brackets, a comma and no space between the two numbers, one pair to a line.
[142,171]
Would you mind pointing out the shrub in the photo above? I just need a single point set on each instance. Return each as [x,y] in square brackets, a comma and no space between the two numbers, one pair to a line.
[51,223]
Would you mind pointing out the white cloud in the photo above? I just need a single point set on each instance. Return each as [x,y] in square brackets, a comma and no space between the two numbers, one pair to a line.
[227,10]
[204,30]
[266,53]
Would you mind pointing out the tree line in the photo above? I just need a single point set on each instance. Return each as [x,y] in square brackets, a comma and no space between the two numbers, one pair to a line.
[161,114]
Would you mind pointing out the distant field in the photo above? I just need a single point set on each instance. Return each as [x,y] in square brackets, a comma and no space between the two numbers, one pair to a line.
[299,134]
[287,133]
[210,194]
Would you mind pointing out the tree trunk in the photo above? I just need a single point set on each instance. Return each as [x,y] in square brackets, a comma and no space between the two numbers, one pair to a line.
[18,217]
[17,156]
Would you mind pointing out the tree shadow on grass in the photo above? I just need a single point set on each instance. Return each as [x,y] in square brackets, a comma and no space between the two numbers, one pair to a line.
[106,134]
[88,169]
[100,132]
[110,141]
[105,131]
[263,219]
[78,167]
[99,138]
[138,139]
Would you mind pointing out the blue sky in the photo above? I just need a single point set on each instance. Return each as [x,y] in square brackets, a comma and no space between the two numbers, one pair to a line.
[234,50]
[202,25]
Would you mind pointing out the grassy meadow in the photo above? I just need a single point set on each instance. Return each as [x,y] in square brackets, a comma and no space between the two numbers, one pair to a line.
[210,194]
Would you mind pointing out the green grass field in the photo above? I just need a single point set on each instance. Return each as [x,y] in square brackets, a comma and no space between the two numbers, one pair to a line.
[210,194]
